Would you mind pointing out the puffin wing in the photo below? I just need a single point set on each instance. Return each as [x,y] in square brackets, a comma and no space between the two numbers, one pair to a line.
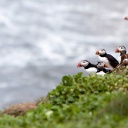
[113,61]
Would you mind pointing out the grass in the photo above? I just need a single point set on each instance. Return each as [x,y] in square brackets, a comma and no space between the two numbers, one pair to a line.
[19,109]
[22,108]
[77,102]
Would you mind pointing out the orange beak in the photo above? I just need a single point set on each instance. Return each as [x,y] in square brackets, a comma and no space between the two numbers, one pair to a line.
[105,65]
[78,65]
[97,52]
[117,50]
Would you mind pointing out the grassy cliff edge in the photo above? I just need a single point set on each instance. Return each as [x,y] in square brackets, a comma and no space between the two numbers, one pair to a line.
[77,102]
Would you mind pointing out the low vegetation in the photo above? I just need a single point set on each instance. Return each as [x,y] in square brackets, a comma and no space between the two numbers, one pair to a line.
[77,102]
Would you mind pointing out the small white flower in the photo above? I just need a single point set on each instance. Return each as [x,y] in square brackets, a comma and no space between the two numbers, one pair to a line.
[48,113]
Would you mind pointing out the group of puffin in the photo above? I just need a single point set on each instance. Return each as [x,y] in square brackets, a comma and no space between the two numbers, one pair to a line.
[107,63]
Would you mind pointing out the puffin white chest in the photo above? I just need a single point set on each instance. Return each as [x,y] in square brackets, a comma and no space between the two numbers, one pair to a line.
[105,60]
[91,70]
[119,59]
[100,73]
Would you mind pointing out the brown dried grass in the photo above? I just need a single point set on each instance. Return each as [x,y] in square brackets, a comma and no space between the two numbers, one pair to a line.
[22,108]
[19,109]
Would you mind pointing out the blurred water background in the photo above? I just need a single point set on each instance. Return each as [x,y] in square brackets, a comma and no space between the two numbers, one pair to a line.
[42,40]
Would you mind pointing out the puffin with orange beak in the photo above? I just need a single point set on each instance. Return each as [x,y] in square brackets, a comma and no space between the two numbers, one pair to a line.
[123,55]
[107,58]
[100,68]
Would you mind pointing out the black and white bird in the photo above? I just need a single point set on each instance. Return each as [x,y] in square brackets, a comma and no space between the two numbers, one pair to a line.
[123,53]
[107,58]
[102,68]
[90,68]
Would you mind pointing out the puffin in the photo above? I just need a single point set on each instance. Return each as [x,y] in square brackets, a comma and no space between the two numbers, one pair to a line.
[107,58]
[102,68]
[123,55]
[90,68]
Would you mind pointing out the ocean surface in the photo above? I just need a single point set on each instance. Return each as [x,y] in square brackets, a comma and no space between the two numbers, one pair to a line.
[42,40]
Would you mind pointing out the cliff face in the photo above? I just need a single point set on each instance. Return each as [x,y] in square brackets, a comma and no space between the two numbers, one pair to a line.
[77,102]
